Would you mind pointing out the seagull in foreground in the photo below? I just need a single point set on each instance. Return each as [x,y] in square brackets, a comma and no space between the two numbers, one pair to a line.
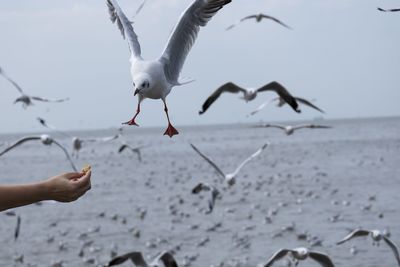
[135,150]
[281,102]
[155,79]
[137,258]
[230,177]
[46,140]
[389,10]
[301,254]
[258,18]
[289,129]
[376,236]
[77,142]
[25,99]
[250,94]
[214,193]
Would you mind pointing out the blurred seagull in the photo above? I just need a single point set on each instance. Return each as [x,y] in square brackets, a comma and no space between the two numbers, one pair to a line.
[137,259]
[139,8]
[155,79]
[45,139]
[258,18]
[230,177]
[77,142]
[389,10]
[301,254]
[281,102]
[289,130]
[214,193]
[25,99]
[250,94]
[135,150]
[376,236]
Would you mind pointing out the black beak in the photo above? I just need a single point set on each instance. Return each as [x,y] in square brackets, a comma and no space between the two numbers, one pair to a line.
[137,91]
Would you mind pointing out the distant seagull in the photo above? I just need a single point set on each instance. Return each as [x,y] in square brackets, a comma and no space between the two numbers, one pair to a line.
[137,258]
[389,10]
[230,177]
[77,142]
[281,102]
[258,18]
[289,130]
[46,140]
[155,79]
[135,150]
[250,94]
[376,236]
[214,193]
[301,254]
[25,99]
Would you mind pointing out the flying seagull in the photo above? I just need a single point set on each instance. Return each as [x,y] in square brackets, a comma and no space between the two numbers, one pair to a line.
[137,259]
[139,8]
[214,193]
[250,94]
[135,150]
[376,236]
[389,10]
[25,99]
[230,177]
[258,18]
[155,79]
[78,142]
[289,129]
[299,254]
[46,140]
[281,102]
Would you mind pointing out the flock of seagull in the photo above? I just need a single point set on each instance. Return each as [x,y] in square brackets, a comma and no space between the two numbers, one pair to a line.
[155,79]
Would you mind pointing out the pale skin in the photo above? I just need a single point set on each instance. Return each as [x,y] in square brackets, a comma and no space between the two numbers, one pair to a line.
[66,187]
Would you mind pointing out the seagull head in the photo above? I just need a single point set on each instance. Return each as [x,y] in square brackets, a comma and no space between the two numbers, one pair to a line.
[142,84]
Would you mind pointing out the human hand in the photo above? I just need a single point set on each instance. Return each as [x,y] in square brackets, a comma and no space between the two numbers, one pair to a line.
[67,187]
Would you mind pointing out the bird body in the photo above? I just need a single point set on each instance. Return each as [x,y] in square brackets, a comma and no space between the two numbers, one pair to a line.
[155,79]
[137,259]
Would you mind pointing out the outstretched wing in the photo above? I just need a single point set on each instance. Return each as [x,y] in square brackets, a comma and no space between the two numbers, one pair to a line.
[311,126]
[125,26]
[37,98]
[282,92]
[276,20]
[135,257]
[308,103]
[228,87]
[389,10]
[394,248]
[209,161]
[19,142]
[66,154]
[322,259]
[268,125]
[167,259]
[11,81]
[355,233]
[277,256]
[239,21]
[262,106]
[258,152]
[185,33]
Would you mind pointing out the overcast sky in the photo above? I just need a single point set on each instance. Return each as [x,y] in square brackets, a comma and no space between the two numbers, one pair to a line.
[343,53]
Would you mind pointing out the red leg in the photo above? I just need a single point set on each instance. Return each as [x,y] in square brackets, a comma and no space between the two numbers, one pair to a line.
[132,121]
[171,131]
